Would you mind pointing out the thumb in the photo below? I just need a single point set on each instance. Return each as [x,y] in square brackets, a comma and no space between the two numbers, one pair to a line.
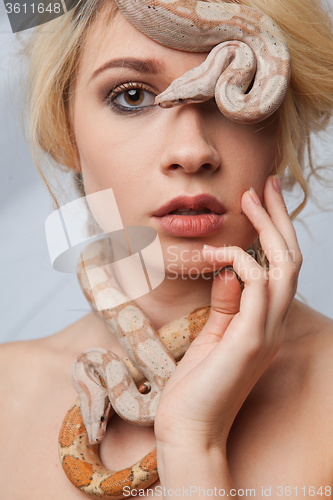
[225,302]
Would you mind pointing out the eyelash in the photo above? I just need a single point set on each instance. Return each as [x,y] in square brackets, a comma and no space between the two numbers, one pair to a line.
[124,87]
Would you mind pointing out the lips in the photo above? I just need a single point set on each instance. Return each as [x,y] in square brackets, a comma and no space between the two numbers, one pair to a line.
[196,203]
[202,215]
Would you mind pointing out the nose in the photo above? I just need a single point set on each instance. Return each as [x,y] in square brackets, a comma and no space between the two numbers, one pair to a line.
[188,142]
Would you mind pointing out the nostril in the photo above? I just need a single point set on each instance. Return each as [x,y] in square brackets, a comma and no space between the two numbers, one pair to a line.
[206,166]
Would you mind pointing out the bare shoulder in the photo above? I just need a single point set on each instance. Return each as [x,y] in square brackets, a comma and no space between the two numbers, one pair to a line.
[309,337]
[319,345]
[24,367]
[307,324]
[306,358]
[28,356]
[34,367]
[31,370]
[19,373]
[302,371]
[14,359]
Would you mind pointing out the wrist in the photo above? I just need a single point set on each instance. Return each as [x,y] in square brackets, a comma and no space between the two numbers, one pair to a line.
[191,456]
[200,439]
[194,468]
[191,451]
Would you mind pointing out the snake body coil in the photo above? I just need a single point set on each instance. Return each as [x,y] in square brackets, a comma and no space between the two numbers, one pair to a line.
[105,383]
[247,70]
[249,51]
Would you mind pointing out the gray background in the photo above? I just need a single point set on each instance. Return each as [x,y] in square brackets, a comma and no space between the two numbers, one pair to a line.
[37,301]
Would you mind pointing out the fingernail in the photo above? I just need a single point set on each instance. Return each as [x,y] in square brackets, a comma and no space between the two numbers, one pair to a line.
[276,184]
[207,247]
[208,251]
[255,197]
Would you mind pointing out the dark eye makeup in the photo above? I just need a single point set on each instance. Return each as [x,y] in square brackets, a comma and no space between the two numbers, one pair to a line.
[130,97]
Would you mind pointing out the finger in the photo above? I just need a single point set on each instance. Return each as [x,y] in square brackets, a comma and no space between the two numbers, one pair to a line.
[253,301]
[225,302]
[278,212]
[283,271]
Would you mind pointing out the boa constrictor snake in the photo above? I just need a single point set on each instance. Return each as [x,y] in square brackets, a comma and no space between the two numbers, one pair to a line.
[248,50]
[106,383]
[248,71]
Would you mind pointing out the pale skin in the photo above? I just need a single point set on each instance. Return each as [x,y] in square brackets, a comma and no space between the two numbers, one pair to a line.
[250,404]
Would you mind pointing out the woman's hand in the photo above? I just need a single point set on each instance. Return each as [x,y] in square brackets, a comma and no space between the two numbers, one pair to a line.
[242,335]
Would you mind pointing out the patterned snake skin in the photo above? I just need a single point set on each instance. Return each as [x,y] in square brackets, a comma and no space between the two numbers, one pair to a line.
[247,70]
[106,383]
[249,51]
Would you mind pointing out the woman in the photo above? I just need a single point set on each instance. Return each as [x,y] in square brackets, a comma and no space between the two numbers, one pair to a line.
[247,411]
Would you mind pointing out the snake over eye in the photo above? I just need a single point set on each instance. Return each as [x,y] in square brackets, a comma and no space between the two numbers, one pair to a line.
[245,48]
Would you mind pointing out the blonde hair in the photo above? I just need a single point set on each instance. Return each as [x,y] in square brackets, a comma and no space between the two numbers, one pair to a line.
[305,24]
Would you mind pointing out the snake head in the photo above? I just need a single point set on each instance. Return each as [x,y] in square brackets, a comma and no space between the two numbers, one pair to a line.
[192,87]
[172,102]
[96,424]
[95,405]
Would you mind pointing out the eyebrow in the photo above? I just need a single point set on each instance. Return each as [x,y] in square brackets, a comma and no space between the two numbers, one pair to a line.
[140,65]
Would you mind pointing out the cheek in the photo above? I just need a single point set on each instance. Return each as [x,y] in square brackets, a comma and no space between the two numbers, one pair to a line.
[104,150]
[248,158]
[250,155]
[258,155]
[112,155]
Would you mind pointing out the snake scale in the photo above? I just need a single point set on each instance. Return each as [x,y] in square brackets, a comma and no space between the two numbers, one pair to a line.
[106,383]
[247,70]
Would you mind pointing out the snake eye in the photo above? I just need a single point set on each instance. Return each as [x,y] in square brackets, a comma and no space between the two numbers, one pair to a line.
[145,388]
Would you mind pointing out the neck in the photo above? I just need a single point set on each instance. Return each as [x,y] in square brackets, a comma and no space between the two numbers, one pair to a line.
[175,297]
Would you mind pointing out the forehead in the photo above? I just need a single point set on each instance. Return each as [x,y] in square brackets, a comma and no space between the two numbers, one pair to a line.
[122,40]
[119,34]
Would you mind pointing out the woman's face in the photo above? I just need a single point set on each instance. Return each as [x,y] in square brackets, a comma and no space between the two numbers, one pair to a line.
[149,155]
